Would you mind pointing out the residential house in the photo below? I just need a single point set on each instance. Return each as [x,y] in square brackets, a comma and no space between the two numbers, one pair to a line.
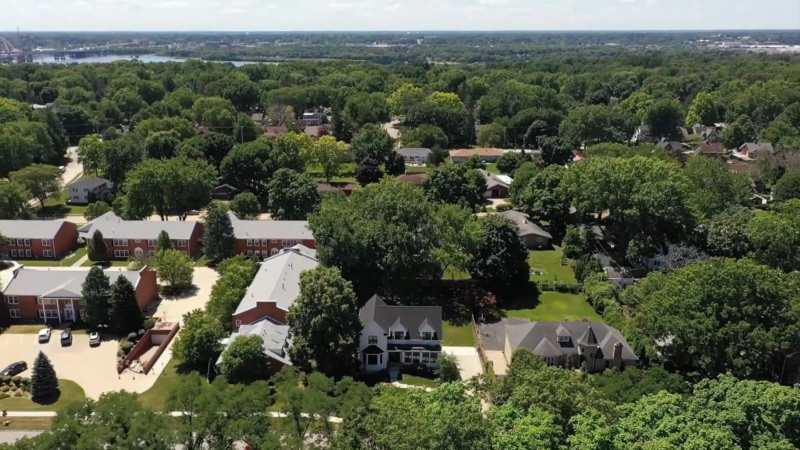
[88,190]
[398,335]
[488,155]
[316,131]
[643,133]
[496,187]
[531,233]
[258,118]
[750,150]
[312,118]
[224,192]
[345,188]
[265,238]
[126,238]
[418,156]
[759,201]
[709,134]
[711,149]
[38,238]
[55,295]
[417,179]
[670,146]
[591,345]
[272,131]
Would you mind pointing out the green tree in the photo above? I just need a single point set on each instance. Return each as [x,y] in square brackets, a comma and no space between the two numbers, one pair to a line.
[714,188]
[787,187]
[522,177]
[368,171]
[91,153]
[235,275]
[18,150]
[124,313]
[775,237]
[95,294]
[14,200]
[198,341]
[246,206]
[249,166]
[450,184]
[220,242]
[177,186]
[474,162]
[245,361]
[492,135]
[366,108]
[728,233]
[329,154]
[292,195]
[121,156]
[575,243]
[76,120]
[213,146]
[13,111]
[42,181]
[424,136]
[324,324]
[664,117]
[162,144]
[740,131]
[96,210]
[703,110]
[129,101]
[404,98]
[509,162]
[372,141]
[203,105]
[97,248]
[544,198]
[555,151]
[500,260]
[175,268]
[44,381]
[632,384]
[164,242]
[448,371]
[587,124]
[395,164]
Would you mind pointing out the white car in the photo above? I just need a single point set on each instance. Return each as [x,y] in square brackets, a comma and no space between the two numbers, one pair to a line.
[94,339]
[44,335]
[62,169]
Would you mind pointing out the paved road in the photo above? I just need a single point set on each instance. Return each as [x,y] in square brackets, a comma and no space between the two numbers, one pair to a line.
[10,437]
[73,171]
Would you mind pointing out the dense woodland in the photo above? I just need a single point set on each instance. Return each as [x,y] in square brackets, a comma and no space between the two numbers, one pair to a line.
[712,328]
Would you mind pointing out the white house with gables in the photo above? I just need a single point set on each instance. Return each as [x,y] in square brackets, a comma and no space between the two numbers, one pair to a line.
[398,335]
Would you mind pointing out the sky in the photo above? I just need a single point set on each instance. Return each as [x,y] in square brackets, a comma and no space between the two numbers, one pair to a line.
[400,15]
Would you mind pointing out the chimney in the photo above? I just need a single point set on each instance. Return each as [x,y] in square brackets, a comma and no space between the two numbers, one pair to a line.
[617,355]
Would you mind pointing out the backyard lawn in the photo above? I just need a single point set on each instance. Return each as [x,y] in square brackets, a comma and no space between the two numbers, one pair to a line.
[91,263]
[418,381]
[66,262]
[70,393]
[549,261]
[59,207]
[555,306]
[156,397]
[457,335]
[34,329]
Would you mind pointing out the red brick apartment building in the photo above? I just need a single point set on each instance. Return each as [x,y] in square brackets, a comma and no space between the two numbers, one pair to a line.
[126,238]
[55,295]
[265,238]
[38,239]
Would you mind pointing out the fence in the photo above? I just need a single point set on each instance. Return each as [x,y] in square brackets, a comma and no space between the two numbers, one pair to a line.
[476,336]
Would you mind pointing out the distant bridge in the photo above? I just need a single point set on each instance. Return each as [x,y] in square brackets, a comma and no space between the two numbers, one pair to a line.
[6,47]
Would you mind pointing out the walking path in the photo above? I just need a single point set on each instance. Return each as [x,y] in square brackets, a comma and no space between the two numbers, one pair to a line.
[173,414]
[80,262]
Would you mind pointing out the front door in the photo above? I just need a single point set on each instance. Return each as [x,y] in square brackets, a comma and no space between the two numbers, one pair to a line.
[69,314]
[394,357]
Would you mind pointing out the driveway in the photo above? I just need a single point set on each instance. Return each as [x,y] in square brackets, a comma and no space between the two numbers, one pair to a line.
[10,437]
[74,168]
[172,308]
[469,363]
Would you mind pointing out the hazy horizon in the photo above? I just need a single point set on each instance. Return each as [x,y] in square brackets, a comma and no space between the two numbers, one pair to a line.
[398,15]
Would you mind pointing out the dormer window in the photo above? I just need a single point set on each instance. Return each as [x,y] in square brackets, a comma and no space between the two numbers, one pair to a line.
[426,335]
[563,339]
[399,335]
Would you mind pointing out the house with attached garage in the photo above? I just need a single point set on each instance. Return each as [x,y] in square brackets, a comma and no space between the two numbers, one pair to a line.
[266,238]
[126,238]
[528,230]
[35,239]
[399,335]
[55,295]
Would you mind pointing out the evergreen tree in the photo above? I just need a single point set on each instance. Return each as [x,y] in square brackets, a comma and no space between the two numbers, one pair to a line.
[95,295]
[219,237]
[163,242]
[44,381]
[97,248]
[124,316]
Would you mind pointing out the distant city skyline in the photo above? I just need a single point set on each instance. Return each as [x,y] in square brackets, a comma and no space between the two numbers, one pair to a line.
[397,15]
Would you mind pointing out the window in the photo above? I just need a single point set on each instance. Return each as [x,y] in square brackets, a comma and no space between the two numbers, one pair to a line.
[74,189]
[274,251]
[48,313]
[407,358]
[426,358]
[238,323]
[14,313]
[48,253]
[372,360]
[76,197]
[249,242]
[415,357]
[563,339]
[12,242]
[427,336]
[372,340]
[27,242]
[151,253]
[552,361]
[399,335]
[434,357]
[249,253]
[27,253]
[138,241]
[608,364]
[47,242]
[119,242]
[151,243]
[121,253]
[182,242]
[264,242]
[13,252]
[12,300]
[85,189]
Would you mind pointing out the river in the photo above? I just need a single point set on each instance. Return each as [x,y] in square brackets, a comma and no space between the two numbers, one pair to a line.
[142,58]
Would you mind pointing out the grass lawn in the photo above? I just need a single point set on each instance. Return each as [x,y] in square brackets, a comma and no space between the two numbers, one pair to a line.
[457,335]
[492,168]
[27,423]
[155,398]
[59,207]
[70,392]
[70,260]
[555,306]
[550,262]
[760,212]
[90,263]
[34,329]
[418,381]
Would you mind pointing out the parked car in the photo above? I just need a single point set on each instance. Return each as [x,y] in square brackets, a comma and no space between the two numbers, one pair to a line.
[66,337]
[44,335]
[62,169]
[14,368]
[94,339]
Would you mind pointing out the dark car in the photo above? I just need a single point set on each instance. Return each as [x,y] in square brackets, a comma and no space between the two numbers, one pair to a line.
[66,337]
[14,369]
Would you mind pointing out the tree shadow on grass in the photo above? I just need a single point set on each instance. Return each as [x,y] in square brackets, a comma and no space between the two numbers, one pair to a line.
[170,294]
[53,211]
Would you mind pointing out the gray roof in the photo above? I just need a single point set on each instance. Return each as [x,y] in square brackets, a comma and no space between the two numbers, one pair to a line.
[91,183]
[669,145]
[411,317]
[525,226]
[305,250]
[270,229]
[541,338]
[30,229]
[414,152]
[276,339]
[114,227]
[58,283]
[755,148]
[277,280]
[492,180]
